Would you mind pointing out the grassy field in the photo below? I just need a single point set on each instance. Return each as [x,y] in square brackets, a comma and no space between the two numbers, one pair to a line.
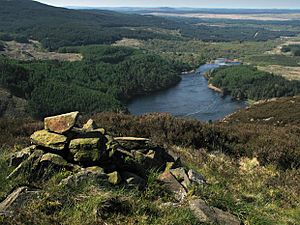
[290,73]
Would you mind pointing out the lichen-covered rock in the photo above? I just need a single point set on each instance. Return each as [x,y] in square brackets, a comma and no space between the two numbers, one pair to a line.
[54,159]
[211,215]
[133,180]
[77,133]
[20,156]
[225,218]
[90,173]
[169,166]
[202,211]
[90,125]
[114,178]
[50,140]
[85,149]
[196,177]
[61,123]
[132,142]
[28,166]
[172,185]
[181,176]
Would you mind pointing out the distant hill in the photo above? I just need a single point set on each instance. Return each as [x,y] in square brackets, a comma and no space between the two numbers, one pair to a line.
[56,27]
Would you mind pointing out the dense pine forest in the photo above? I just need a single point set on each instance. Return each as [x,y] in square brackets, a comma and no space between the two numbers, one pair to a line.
[104,80]
[246,82]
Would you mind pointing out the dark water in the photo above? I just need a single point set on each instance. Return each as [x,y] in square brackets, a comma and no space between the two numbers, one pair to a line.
[190,98]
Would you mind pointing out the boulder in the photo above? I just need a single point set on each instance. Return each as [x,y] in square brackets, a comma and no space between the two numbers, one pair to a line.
[225,218]
[181,176]
[20,156]
[85,149]
[50,140]
[86,174]
[114,178]
[196,177]
[172,185]
[202,211]
[61,123]
[211,215]
[133,180]
[53,159]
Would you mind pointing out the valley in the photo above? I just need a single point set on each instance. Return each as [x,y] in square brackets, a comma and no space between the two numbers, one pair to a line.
[123,115]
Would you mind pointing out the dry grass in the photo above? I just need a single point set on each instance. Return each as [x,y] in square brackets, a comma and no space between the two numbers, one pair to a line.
[290,73]
[127,42]
[34,51]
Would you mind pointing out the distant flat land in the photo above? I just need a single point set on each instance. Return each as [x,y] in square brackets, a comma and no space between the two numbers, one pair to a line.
[34,51]
[289,72]
[262,17]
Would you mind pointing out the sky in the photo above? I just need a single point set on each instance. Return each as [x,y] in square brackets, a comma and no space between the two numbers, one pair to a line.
[283,4]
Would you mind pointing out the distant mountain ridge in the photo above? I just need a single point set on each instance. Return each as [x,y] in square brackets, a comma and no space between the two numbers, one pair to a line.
[189,10]
[56,27]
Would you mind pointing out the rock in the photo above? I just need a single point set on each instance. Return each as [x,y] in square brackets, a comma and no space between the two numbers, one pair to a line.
[225,218]
[114,178]
[196,177]
[101,130]
[54,159]
[133,180]
[28,166]
[16,200]
[132,142]
[181,176]
[206,214]
[89,173]
[90,125]
[77,133]
[20,156]
[169,166]
[153,159]
[173,185]
[202,211]
[61,123]
[50,140]
[85,149]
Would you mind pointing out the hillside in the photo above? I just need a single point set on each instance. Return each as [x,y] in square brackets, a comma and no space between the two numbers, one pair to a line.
[246,169]
[56,27]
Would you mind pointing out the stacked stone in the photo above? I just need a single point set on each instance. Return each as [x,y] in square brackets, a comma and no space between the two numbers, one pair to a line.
[89,150]
[60,136]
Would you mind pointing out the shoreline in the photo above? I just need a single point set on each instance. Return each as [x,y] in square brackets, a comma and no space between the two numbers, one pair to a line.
[214,88]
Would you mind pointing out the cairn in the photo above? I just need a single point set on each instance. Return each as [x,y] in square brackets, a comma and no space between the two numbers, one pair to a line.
[88,152]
